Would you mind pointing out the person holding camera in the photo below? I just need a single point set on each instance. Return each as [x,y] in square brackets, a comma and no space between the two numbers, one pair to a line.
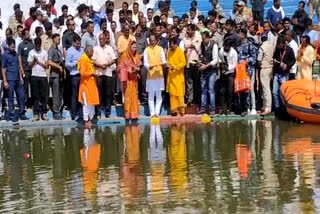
[228,57]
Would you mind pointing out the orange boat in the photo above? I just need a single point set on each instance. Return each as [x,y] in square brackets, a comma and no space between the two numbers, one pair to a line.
[302,99]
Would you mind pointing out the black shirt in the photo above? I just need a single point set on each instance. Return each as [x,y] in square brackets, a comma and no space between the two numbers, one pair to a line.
[67,39]
[286,56]
[233,37]
[302,16]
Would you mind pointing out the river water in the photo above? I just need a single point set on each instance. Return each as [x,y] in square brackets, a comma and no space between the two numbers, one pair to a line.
[225,167]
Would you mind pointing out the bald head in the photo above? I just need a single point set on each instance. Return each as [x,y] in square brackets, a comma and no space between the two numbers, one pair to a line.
[89,51]
[126,30]
[102,39]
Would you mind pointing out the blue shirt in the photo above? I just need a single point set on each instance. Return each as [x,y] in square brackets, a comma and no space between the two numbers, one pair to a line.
[274,16]
[96,21]
[72,57]
[312,34]
[247,51]
[10,62]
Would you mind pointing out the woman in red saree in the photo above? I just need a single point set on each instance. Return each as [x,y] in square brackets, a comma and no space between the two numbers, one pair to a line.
[128,68]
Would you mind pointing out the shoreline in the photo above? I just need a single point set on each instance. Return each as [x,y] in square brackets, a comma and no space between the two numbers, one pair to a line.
[114,120]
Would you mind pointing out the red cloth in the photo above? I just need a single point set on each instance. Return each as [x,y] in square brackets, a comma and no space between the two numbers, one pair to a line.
[54,11]
[127,61]
[28,23]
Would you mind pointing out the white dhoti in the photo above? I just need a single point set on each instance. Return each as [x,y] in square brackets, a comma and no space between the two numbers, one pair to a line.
[88,110]
[154,88]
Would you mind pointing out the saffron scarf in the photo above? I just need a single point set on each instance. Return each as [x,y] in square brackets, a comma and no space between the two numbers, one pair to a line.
[85,57]
[127,61]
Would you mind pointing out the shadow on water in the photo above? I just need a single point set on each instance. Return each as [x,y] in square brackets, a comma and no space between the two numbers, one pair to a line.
[245,166]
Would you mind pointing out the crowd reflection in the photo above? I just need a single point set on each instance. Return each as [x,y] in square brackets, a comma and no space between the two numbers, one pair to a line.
[257,165]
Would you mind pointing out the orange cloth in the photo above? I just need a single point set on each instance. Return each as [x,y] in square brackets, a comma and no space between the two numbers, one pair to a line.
[90,165]
[128,62]
[88,83]
[242,80]
[244,158]
[132,180]
[260,31]
[131,103]
[90,161]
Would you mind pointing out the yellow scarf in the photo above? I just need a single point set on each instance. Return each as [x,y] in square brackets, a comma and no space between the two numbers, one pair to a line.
[86,58]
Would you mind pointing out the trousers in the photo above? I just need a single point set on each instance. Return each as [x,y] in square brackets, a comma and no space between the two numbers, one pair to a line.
[226,90]
[193,92]
[155,108]
[39,88]
[106,86]
[265,77]
[208,80]
[57,94]
[76,107]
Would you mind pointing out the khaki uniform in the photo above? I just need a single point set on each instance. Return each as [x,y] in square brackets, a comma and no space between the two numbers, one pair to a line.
[266,58]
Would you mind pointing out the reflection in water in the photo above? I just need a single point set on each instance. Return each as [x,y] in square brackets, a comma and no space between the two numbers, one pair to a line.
[304,154]
[90,159]
[157,186]
[131,171]
[243,154]
[232,167]
[270,182]
[178,160]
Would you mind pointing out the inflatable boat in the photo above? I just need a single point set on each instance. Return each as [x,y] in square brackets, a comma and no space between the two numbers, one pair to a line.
[302,99]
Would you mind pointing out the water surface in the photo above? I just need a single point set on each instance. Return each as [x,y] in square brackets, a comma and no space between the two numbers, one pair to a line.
[226,167]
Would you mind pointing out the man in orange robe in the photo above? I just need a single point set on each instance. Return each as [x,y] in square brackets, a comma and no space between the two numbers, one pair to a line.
[88,90]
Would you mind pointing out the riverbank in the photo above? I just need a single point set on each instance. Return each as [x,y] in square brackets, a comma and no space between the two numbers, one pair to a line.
[117,118]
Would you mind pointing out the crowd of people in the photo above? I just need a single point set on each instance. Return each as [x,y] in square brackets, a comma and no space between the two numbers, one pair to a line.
[225,63]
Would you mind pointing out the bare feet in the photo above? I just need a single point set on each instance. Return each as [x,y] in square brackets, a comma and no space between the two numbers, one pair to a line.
[88,124]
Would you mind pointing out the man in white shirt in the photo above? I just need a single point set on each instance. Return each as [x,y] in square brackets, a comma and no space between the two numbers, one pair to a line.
[56,28]
[290,35]
[149,17]
[35,24]
[193,16]
[135,12]
[154,59]
[144,5]
[38,60]
[42,7]
[208,68]
[228,60]
[82,17]
[165,19]
[51,16]
[104,59]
